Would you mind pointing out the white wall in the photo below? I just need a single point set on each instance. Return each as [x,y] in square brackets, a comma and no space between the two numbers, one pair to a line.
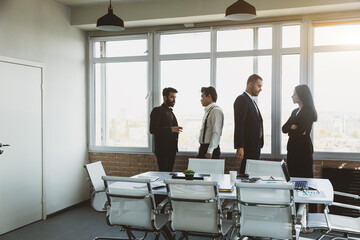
[40,31]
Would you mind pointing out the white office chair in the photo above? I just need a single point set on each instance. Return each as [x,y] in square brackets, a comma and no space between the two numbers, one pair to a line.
[268,210]
[261,168]
[132,206]
[98,197]
[332,224]
[196,209]
[200,165]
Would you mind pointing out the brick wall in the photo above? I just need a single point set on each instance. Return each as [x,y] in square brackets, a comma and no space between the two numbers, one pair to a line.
[119,164]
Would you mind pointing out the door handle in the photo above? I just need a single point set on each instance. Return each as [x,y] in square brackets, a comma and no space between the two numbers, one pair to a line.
[3,145]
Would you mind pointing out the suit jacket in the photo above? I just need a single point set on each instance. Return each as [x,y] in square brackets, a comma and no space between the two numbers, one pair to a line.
[299,143]
[248,125]
[160,126]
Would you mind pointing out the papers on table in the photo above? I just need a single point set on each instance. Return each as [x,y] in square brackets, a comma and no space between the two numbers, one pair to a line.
[153,178]
[226,187]
[270,178]
[158,185]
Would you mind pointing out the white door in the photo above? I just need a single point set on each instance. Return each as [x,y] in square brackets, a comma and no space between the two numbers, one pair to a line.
[21,128]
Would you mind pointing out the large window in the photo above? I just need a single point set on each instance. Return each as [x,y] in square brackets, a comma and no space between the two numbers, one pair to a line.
[192,65]
[128,74]
[120,109]
[336,82]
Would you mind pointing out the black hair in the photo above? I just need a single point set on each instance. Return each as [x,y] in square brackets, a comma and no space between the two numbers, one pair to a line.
[306,98]
[166,91]
[253,78]
[210,90]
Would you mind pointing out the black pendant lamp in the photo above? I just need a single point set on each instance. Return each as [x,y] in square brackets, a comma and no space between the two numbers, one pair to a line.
[240,11]
[110,22]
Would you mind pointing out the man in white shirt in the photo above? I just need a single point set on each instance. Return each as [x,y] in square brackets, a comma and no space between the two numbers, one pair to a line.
[212,125]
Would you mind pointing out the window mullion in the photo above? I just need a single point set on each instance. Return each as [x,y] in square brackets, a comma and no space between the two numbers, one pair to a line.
[277,93]
[213,44]
[103,95]
[255,58]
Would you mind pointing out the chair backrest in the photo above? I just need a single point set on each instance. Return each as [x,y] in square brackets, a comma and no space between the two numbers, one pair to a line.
[257,168]
[95,172]
[131,202]
[269,205]
[200,165]
[195,206]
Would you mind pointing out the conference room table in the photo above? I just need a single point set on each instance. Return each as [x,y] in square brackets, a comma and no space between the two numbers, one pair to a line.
[321,192]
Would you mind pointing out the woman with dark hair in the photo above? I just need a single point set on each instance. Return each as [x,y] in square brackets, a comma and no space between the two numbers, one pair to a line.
[298,127]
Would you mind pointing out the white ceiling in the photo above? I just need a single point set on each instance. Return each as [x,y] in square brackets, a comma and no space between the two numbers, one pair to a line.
[146,13]
[94,2]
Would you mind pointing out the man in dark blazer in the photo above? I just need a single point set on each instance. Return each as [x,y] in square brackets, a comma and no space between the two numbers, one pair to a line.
[249,133]
[164,127]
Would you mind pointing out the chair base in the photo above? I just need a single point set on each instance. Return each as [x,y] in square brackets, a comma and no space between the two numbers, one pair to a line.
[336,235]
[227,236]
[164,230]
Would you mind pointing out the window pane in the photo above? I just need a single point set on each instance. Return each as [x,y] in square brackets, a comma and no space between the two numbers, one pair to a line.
[290,78]
[265,38]
[291,36]
[337,101]
[264,102]
[337,35]
[187,76]
[98,67]
[125,48]
[232,74]
[96,49]
[196,42]
[235,40]
[127,105]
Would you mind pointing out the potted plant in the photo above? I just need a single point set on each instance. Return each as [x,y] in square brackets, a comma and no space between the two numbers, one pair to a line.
[189,174]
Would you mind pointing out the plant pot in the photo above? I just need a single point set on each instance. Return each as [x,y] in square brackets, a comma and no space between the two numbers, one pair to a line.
[189,176]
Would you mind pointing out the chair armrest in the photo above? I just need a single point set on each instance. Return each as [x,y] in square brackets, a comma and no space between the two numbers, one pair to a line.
[161,206]
[301,215]
[346,195]
[300,223]
[343,205]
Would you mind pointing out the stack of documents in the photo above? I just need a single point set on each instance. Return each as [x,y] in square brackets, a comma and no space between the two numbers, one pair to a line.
[153,178]
[226,187]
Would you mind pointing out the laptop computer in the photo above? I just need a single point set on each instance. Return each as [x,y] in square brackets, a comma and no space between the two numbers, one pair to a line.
[298,185]
[180,175]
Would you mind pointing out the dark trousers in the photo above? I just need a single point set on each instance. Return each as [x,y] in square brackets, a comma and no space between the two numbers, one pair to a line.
[249,155]
[166,161]
[301,166]
[166,164]
[203,150]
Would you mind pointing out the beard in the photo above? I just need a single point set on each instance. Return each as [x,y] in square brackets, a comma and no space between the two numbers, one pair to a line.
[254,92]
[169,103]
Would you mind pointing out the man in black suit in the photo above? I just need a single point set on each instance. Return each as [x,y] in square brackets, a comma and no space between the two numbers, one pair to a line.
[164,127]
[249,133]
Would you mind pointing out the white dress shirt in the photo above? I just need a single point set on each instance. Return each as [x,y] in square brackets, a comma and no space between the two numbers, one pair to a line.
[214,126]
